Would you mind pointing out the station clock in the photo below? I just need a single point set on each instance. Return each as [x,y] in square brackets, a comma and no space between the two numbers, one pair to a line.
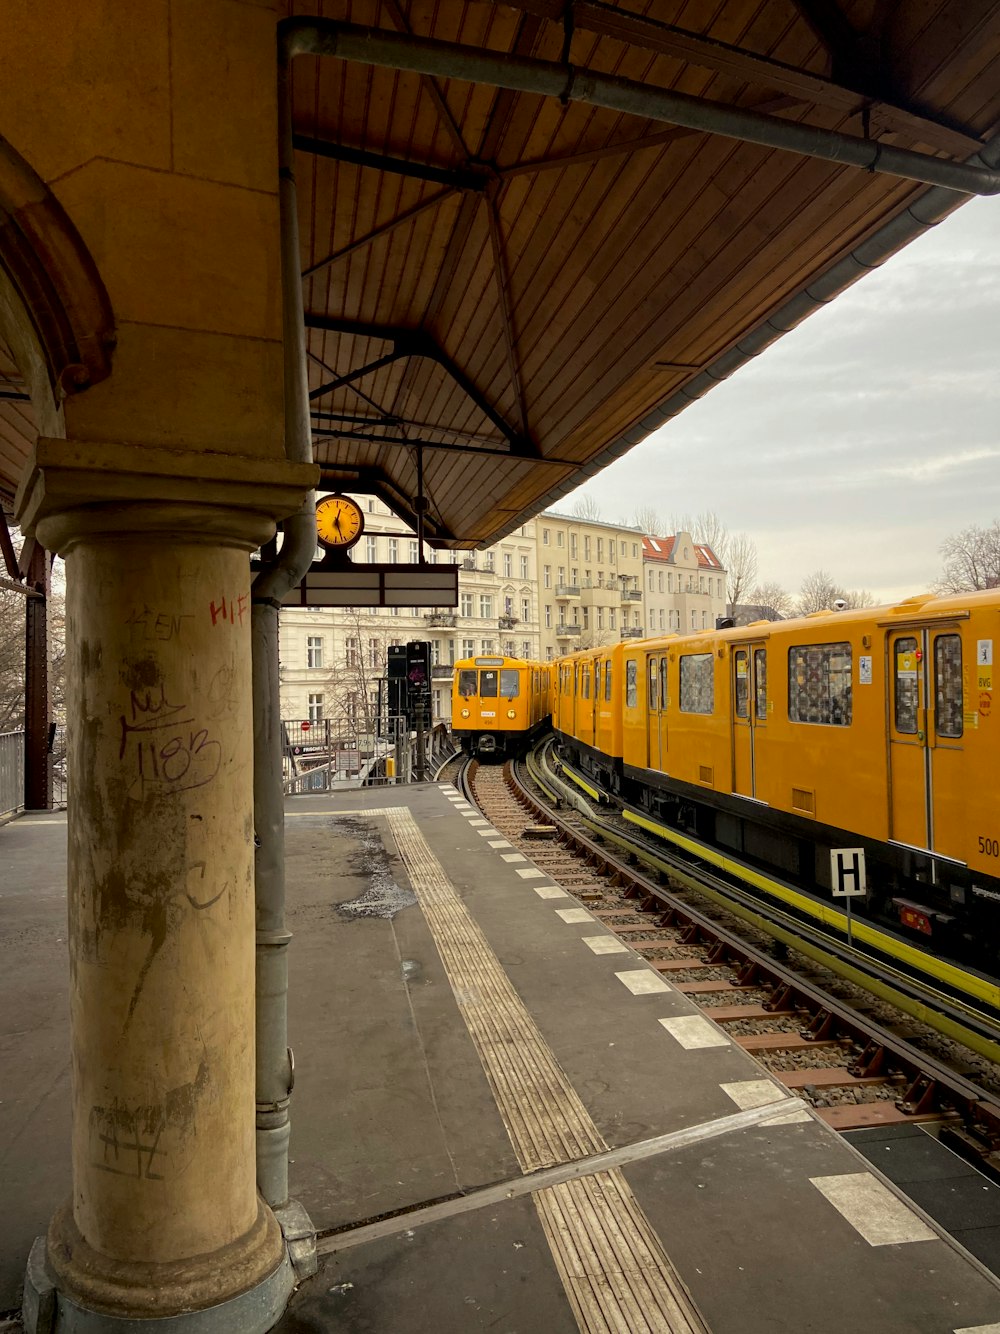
[339,522]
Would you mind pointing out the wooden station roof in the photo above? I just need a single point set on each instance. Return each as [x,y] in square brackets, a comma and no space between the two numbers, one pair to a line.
[508,290]
[495,270]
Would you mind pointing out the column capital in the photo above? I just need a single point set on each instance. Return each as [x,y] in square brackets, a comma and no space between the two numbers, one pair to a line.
[75,489]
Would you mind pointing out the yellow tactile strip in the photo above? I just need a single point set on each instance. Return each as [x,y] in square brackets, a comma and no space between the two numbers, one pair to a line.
[614,1269]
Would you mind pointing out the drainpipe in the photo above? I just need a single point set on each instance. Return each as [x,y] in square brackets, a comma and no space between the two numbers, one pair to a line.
[450,60]
[275,1066]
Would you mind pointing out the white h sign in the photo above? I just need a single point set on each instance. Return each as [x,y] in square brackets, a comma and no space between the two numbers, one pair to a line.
[847,872]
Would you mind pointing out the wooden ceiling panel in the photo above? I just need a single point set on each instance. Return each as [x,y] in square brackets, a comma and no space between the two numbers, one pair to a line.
[584,294]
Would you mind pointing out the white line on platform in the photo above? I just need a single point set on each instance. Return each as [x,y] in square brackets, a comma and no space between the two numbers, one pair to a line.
[550,892]
[530,873]
[475,823]
[695,1033]
[642,982]
[605,944]
[574,914]
[980,1329]
[486,833]
[872,1209]
[501,843]
[758,1093]
[512,856]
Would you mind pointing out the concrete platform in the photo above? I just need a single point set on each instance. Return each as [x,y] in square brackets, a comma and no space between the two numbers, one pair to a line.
[504,1119]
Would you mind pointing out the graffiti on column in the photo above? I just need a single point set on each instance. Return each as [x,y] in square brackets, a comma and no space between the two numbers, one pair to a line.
[165,745]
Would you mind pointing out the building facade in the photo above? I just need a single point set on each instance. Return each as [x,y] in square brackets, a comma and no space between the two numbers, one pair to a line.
[331,659]
[590,577]
[683,585]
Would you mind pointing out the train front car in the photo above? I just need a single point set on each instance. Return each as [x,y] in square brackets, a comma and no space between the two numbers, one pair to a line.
[498,705]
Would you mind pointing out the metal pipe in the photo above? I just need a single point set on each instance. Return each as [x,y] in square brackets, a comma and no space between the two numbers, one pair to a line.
[450,60]
[275,1064]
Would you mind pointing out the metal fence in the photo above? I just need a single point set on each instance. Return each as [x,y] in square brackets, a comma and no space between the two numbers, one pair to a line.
[322,756]
[11,772]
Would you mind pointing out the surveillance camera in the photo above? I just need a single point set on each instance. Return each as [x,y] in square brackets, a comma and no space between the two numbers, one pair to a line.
[839,604]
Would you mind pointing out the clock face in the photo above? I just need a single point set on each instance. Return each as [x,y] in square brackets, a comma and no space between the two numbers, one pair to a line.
[339,522]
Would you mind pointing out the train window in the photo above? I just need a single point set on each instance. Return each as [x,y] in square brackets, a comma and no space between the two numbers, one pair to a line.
[510,682]
[741,666]
[652,685]
[819,684]
[663,683]
[585,682]
[467,682]
[905,684]
[948,685]
[760,682]
[697,683]
[631,676]
[488,682]
[597,680]
[607,680]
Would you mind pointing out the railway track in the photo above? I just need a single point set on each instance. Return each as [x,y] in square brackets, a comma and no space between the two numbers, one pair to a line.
[851,1068]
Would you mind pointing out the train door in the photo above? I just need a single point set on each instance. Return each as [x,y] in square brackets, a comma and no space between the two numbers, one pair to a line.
[926,724]
[926,730]
[652,712]
[749,695]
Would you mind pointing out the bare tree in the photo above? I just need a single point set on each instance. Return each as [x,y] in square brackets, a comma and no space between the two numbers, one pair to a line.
[586,507]
[741,568]
[820,592]
[12,612]
[710,531]
[770,595]
[647,520]
[971,559]
[353,682]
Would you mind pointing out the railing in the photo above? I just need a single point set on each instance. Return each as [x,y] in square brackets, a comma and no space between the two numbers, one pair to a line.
[567,590]
[447,619]
[441,671]
[631,595]
[568,631]
[633,632]
[507,622]
[11,772]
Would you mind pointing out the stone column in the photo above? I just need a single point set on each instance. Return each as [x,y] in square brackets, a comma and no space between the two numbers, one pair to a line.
[164,1214]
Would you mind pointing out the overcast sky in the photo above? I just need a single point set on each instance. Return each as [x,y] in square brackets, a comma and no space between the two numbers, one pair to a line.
[861,439]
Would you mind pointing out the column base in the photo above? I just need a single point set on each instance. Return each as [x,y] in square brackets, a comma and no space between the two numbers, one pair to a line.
[69,1289]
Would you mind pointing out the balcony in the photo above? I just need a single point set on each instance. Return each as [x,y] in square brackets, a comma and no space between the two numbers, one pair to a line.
[442,671]
[633,632]
[566,591]
[507,622]
[631,595]
[442,620]
[569,631]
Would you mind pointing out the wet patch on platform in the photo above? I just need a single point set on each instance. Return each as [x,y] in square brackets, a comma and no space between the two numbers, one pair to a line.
[384,897]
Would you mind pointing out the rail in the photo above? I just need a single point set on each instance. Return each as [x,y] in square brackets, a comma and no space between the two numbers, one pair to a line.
[11,772]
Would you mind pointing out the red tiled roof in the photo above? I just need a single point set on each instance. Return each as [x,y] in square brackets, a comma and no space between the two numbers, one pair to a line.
[661,548]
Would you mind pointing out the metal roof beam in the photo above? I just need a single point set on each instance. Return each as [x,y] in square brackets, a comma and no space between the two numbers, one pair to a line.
[456,177]
[448,446]
[544,78]
[358,373]
[362,241]
[418,343]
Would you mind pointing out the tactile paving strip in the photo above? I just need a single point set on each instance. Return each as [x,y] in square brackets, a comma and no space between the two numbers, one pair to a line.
[615,1271]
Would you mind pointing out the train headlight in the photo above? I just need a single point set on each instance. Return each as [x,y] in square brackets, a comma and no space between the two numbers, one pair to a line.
[465,713]
[511,713]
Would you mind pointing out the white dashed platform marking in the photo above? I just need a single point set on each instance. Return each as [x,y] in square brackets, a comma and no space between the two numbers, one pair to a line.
[605,944]
[574,914]
[641,982]
[486,833]
[530,873]
[550,892]
[476,823]
[513,856]
[872,1209]
[694,1033]
[501,843]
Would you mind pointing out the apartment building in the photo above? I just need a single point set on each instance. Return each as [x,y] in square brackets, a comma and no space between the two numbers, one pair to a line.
[683,585]
[590,583]
[331,659]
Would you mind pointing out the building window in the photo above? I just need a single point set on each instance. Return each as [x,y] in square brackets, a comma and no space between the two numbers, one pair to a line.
[468,648]
[586,548]
[694,620]
[508,565]
[600,618]
[611,618]
[524,567]
[371,550]
[819,683]
[559,539]
[525,609]
[651,579]
[545,537]
[486,646]
[508,606]
[600,548]
[548,617]
[548,654]
[525,647]
[393,550]
[414,553]
[466,604]
[635,550]
[437,703]
[659,577]
[314,651]
[351,652]
[572,546]
[485,606]
[547,576]
[315,708]
[489,561]
[373,652]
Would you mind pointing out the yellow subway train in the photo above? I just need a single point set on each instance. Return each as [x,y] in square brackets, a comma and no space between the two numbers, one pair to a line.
[781,741]
[498,704]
